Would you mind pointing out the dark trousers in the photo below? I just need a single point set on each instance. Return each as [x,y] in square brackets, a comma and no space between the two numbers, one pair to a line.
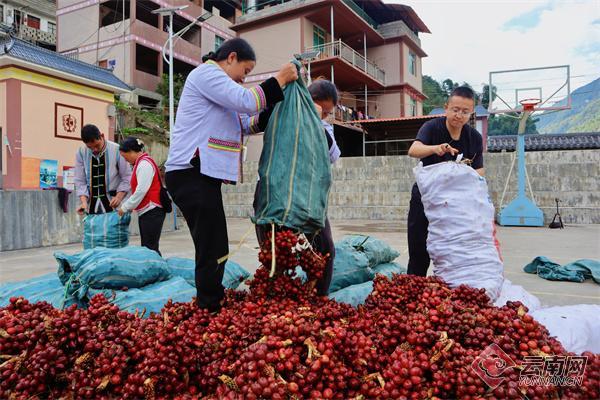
[322,242]
[199,199]
[418,257]
[151,223]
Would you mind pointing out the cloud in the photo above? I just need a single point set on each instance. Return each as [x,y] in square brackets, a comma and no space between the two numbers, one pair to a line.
[527,20]
[469,39]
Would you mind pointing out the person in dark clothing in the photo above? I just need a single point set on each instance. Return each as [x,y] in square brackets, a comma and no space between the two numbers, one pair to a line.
[440,140]
[214,113]
[145,192]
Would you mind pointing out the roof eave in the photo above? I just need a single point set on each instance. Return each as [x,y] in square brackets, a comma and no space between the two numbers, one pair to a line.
[60,74]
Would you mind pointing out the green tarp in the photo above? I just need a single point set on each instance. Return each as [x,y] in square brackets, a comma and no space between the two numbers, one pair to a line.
[577,271]
[294,167]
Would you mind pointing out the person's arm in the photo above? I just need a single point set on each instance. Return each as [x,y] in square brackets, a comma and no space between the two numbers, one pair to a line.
[221,89]
[81,186]
[421,150]
[124,185]
[334,150]
[144,175]
[477,163]
[424,145]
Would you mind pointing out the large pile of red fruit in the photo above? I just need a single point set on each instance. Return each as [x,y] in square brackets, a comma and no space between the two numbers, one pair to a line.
[413,339]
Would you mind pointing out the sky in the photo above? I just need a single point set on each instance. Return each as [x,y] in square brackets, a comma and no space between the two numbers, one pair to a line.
[470,38]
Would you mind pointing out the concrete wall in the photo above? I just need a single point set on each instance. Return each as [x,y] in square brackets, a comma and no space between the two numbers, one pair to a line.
[387,57]
[34,219]
[37,135]
[379,187]
[275,46]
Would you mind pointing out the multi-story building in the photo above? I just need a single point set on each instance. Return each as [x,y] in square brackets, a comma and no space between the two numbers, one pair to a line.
[128,37]
[30,20]
[371,50]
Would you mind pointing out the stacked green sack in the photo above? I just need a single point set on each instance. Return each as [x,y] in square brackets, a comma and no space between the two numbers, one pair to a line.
[185,268]
[358,259]
[103,268]
[150,298]
[46,288]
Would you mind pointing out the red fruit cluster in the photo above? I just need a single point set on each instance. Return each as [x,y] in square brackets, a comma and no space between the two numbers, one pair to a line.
[415,338]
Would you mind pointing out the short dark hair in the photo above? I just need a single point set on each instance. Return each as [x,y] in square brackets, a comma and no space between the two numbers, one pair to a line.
[239,46]
[131,143]
[89,133]
[322,89]
[463,91]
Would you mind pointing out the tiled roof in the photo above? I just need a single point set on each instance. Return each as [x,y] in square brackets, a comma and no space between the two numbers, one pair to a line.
[28,52]
[562,141]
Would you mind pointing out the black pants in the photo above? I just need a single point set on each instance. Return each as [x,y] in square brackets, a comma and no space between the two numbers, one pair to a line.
[418,257]
[322,242]
[151,223]
[199,199]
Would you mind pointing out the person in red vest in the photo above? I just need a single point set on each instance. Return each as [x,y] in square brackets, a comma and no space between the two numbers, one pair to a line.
[145,189]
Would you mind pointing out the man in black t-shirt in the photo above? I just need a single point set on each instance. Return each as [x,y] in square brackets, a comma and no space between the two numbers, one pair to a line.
[439,140]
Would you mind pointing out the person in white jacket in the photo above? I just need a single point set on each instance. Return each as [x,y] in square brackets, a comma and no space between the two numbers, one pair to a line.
[145,187]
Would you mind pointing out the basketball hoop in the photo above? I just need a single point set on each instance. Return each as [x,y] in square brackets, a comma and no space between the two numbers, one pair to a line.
[529,104]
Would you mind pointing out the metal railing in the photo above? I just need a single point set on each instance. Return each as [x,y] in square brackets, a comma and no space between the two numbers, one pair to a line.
[348,54]
[361,12]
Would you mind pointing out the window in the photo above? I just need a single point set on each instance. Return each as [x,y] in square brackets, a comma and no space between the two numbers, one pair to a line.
[1,13]
[103,63]
[318,36]
[412,107]
[412,63]
[52,28]
[33,22]
[218,42]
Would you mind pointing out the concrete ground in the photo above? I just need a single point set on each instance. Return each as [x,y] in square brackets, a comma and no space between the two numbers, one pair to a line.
[519,246]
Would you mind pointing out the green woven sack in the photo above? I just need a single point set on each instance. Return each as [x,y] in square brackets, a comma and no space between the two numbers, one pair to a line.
[294,167]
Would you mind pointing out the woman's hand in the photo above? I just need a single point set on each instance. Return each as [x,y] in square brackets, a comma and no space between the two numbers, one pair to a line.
[288,73]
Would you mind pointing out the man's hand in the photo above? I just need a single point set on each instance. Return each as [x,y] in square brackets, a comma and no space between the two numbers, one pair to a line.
[444,148]
[116,201]
[83,205]
[120,212]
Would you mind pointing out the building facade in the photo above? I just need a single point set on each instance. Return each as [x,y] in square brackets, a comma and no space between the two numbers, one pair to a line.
[369,49]
[126,36]
[30,20]
[45,99]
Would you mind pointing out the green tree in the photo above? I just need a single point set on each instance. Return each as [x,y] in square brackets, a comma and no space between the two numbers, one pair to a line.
[499,124]
[163,88]
[485,96]
[436,95]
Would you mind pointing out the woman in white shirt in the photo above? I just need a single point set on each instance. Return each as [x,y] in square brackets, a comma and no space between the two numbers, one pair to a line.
[214,113]
[145,188]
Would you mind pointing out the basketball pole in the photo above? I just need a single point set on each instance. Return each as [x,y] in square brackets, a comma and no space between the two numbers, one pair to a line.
[522,211]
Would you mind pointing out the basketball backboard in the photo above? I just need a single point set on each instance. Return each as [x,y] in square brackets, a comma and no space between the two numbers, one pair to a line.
[551,85]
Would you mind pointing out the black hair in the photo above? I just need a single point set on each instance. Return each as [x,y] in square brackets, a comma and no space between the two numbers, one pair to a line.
[131,144]
[90,133]
[239,46]
[322,89]
[463,91]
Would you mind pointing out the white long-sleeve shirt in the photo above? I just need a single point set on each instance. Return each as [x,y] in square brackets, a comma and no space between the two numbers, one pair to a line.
[144,175]
[334,150]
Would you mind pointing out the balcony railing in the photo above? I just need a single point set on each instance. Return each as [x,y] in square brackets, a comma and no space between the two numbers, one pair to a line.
[342,50]
[33,34]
